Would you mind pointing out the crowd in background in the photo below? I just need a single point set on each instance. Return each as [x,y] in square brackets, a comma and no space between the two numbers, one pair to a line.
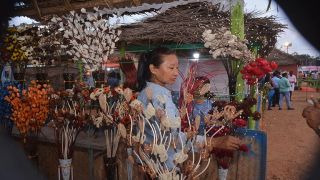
[281,85]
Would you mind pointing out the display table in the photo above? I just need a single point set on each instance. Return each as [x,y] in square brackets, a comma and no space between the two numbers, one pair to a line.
[88,162]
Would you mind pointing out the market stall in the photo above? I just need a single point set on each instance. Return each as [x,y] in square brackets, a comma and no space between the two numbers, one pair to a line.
[76,129]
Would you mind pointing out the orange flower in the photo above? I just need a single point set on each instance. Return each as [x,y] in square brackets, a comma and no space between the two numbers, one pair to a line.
[30,108]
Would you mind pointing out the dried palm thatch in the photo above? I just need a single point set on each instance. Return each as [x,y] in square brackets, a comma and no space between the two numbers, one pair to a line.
[185,24]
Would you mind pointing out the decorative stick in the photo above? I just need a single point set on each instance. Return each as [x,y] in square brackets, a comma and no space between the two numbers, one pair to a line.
[59,172]
[192,149]
[153,135]
[169,142]
[138,157]
[198,164]
[131,127]
[111,142]
[160,134]
[182,145]
[117,138]
[205,136]
[188,118]
[222,127]
[204,168]
[107,141]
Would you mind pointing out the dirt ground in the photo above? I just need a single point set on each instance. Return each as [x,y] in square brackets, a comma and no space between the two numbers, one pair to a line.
[292,145]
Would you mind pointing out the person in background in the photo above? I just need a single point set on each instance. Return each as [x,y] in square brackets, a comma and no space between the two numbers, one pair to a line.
[293,80]
[201,105]
[284,88]
[275,81]
[113,79]
[89,79]
[270,85]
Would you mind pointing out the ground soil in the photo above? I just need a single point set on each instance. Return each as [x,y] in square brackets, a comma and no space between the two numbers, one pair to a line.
[292,145]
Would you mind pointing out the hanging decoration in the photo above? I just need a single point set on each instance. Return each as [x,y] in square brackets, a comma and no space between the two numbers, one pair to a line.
[89,34]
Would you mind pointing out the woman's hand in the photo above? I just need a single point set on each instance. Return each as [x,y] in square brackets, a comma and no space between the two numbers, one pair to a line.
[160,113]
[226,142]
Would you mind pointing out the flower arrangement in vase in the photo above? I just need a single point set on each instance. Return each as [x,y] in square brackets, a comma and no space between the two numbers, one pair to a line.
[30,109]
[114,117]
[69,118]
[223,120]
[233,52]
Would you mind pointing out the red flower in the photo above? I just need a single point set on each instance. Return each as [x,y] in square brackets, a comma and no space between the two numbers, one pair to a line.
[125,120]
[240,122]
[243,148]
[223,163]
[273,65]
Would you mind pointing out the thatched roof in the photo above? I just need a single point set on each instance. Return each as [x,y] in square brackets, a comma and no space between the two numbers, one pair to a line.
[185,24]
[37,9]
[282,58]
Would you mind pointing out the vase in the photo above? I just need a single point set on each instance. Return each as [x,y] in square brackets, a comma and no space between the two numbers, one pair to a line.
[222,174]
[111,168]
[65,169]
[30,146]
[98,78]
[68,80]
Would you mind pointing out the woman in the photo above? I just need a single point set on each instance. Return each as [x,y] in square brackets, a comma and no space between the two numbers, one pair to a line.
[155,70]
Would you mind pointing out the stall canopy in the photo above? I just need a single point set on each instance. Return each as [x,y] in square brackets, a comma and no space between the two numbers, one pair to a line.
[178,24]
[182,27]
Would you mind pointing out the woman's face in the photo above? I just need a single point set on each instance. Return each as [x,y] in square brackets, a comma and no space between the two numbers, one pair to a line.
[167,72]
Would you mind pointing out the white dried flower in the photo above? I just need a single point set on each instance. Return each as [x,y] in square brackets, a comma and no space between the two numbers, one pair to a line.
[224,44]
[180,157]
[83,10]
[137,105]
[171,122]
[160,150]
[97,121]
[162,99]
[149,111]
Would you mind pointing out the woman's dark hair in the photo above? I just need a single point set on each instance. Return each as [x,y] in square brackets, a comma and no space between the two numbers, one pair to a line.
[267,78]
[285,74]
[153,57]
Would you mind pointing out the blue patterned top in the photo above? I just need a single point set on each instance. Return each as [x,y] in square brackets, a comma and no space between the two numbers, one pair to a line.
[201,110]
[169,107]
